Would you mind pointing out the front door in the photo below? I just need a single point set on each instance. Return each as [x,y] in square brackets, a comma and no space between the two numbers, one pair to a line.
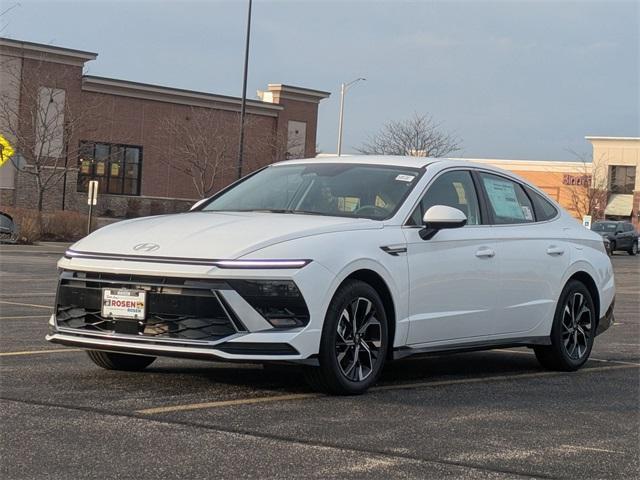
[454,276]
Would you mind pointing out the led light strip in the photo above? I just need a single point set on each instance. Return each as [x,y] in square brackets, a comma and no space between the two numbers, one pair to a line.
[261,263]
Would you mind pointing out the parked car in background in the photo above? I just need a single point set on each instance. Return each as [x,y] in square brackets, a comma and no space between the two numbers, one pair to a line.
[8,229]
[340,266]
[621,235]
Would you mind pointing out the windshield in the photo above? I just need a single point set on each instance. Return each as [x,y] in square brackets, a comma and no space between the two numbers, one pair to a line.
[604,227]
[346,190]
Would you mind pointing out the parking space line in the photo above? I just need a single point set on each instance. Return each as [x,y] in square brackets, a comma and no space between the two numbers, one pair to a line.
[590,449]
[400,386]
[48,307]
[22,317]
[39,352]
[621,362]
[226,403]
[28,294]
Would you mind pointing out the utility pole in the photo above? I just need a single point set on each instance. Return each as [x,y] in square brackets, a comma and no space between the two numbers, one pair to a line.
[243,106]
[66,165]
[343,90]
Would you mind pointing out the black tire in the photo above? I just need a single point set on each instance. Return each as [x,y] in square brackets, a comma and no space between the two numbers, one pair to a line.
[351,361]
[120,361]
[612,246]
[633,251]
[570,348]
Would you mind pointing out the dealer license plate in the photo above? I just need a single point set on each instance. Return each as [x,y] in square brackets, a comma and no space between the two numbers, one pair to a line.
[119,303]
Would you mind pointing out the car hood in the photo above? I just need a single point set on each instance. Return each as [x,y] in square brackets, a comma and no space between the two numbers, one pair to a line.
[213,235]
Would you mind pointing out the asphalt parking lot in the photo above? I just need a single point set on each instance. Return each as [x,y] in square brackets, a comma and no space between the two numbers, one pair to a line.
[477,415]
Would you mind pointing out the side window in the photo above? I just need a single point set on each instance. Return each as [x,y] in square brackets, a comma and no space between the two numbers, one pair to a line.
[453,189]
[508,201]
[543,208]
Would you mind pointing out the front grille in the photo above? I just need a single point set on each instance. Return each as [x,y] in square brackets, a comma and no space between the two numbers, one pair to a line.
[177,309]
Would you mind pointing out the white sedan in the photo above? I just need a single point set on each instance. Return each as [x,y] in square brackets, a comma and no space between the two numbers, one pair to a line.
[341,265]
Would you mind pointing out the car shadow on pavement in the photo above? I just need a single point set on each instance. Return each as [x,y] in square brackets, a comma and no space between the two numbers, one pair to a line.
[289,378]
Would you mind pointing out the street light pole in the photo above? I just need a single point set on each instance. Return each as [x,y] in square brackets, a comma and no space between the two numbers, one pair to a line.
[243,106]
[343,90]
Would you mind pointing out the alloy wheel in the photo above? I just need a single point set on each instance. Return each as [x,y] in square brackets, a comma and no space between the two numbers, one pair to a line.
[576,326]
[358,340]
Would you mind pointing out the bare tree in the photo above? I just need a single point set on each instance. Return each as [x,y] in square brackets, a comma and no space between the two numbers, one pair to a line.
[37,117]
[201,147]
[418,135]
[588,190]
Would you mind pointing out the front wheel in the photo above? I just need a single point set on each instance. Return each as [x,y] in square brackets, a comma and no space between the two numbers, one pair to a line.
[119,361]
[633,251]
[573,330]
[354,342]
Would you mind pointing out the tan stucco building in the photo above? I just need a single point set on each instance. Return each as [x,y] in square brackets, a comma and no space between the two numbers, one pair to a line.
[616,165]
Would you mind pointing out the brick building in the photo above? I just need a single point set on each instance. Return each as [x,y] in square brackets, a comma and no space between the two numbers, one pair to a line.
[153,149]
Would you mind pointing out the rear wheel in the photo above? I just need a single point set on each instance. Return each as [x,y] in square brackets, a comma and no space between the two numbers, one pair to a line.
[119,361]
[573,330]
[633,251]
[354,342]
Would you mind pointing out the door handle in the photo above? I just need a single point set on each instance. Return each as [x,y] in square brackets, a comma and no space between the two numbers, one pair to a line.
[485,253]
[553,250]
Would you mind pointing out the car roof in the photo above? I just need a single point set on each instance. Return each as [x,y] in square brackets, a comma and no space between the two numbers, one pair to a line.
[401,161]
[387,160]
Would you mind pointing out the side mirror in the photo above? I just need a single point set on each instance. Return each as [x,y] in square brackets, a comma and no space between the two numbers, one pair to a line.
[197,204]
[440,217]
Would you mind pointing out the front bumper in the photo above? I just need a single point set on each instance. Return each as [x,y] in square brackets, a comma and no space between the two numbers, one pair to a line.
[606,321]
[244,335]
[227,350]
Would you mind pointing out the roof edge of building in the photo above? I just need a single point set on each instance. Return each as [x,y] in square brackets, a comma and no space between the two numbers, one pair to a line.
[535,165]
[145,91]
[39,51]
[597,137]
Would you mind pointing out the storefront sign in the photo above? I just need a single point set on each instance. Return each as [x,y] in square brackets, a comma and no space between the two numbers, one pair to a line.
[580,180]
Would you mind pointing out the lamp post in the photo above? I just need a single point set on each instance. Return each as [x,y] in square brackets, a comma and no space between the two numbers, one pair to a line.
[343,90]
[244,93]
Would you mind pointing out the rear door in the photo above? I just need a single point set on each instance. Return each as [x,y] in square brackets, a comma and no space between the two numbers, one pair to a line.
[454,276]
[532,250]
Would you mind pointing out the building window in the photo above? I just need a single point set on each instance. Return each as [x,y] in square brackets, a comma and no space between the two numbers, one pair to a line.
[117,168]
[622,179]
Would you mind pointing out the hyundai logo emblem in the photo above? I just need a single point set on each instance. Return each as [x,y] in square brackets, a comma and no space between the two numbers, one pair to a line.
[146,247]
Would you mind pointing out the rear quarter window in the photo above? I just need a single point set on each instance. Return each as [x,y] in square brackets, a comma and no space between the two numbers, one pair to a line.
[544,208]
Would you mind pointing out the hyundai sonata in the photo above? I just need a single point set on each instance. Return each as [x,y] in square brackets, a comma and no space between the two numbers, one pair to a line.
[341,265]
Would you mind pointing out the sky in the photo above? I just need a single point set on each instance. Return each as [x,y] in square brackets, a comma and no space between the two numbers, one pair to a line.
[511,79]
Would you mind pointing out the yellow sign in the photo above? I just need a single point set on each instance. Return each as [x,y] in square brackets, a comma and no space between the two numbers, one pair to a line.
[6,150]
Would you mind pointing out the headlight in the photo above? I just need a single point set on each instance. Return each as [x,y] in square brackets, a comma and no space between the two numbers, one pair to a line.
[278,301]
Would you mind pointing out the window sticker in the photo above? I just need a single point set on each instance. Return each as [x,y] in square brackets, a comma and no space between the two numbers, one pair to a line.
[405,178]
[527,213]
[502,195]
